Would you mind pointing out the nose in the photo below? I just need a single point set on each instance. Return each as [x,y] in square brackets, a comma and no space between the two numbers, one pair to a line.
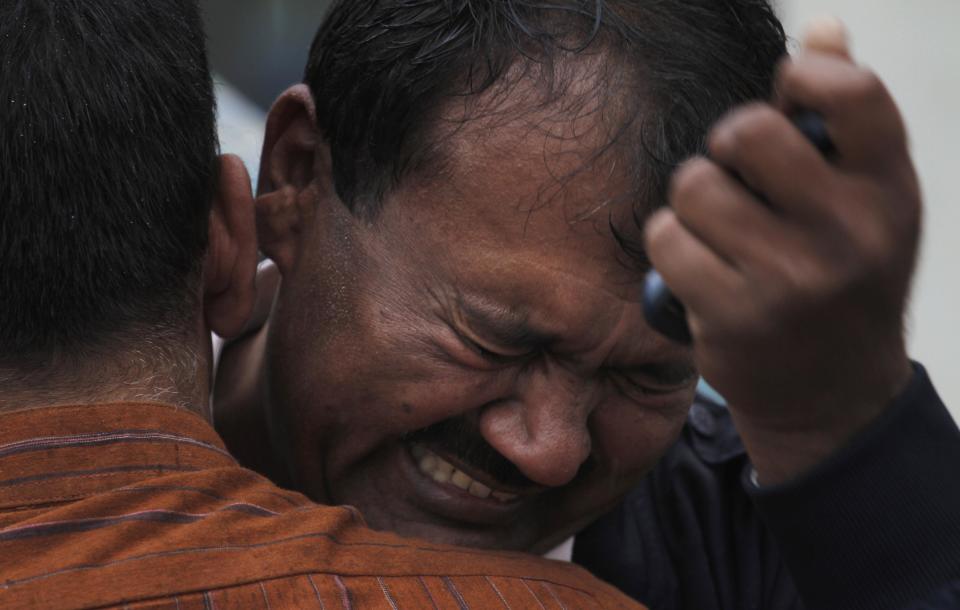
[543,428]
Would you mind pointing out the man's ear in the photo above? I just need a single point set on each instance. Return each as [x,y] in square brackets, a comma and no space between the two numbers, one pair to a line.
[295,170]
[230,266]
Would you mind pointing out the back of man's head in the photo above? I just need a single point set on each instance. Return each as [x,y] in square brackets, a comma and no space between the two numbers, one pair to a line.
[107,169]
[381,72]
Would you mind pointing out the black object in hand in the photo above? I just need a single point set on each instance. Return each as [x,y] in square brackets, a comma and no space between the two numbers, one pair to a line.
[664,312]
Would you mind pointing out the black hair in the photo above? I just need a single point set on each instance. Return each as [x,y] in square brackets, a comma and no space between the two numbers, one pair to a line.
[107,169]
[381,70]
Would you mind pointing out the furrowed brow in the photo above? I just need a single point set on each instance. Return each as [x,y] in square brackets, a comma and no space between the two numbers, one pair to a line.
[667,373]
[503,326]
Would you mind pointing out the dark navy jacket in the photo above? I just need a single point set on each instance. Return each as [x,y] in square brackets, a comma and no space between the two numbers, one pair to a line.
[875,528]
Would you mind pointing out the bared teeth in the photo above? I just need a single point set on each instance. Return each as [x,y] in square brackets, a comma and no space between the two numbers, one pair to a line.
[443,471]
[461,480]
[479,489]
[504,496]
[428,463]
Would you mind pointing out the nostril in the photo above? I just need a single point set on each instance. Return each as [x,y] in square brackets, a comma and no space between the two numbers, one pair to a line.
[544,430]
[551,457]
[554,462]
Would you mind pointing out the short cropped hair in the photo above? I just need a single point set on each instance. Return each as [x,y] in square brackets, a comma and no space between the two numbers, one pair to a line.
[380,71]
[107,169]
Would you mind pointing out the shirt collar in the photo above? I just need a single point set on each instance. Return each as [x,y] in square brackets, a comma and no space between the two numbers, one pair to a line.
[64,453]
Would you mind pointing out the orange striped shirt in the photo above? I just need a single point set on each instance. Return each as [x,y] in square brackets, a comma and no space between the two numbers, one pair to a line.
[141,506]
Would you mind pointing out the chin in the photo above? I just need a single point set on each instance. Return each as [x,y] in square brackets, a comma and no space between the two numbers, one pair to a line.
[463,537]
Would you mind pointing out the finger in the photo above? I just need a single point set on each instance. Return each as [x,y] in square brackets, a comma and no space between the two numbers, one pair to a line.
[860,115]
[695,274]
[827,35]
[722,213]
[774,159]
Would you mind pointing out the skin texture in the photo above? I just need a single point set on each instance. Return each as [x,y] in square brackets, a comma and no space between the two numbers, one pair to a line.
[382,329]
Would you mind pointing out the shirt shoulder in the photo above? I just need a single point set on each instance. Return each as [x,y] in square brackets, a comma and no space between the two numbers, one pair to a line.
[231,535]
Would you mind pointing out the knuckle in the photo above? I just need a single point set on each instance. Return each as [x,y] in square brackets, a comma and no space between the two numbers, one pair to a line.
[872,227]
[875,246]
[722,139]
[861,90]
[762,123]
[659,231]
[755,317]
[745,128]
[866,85]
[690,183]
[793,282]
[785,72]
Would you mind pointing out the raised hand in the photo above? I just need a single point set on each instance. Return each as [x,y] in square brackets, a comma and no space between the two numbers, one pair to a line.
[795,268]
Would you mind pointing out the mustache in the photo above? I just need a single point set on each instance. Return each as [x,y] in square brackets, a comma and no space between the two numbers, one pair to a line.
[461,438]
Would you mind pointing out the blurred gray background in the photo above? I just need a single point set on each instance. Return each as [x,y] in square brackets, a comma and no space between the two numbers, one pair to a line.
[259,48]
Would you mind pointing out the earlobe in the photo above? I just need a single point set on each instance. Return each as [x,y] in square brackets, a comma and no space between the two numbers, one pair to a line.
[231,262]
[288,173]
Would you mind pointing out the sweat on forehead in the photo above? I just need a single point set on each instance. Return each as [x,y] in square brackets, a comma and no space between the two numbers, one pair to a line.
[382,72]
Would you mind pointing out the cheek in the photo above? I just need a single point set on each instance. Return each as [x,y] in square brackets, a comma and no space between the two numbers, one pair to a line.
[629,439]
[366,382]
[363,404]
[437,392]
[365,438]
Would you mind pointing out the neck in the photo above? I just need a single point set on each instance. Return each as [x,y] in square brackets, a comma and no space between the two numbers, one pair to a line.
[240,407]
[170,372]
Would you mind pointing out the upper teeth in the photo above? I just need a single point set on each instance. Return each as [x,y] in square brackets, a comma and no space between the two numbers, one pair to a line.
[443,471]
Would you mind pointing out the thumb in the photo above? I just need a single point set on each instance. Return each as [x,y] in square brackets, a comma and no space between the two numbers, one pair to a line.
[827,35]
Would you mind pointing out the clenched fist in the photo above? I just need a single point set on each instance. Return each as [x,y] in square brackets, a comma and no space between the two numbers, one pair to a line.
[795,268]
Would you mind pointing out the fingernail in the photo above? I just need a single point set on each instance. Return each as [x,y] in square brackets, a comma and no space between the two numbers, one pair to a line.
[827,34]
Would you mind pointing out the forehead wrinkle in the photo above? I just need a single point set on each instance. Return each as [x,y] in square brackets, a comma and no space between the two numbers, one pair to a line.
[517,205]
[583,307]
[630,284]
[507,325]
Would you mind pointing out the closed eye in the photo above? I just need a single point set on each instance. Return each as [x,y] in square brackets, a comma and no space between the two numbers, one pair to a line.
[653,380]
[494,356]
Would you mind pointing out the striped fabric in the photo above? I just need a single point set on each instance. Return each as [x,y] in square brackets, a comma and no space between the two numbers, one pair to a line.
[140,506]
